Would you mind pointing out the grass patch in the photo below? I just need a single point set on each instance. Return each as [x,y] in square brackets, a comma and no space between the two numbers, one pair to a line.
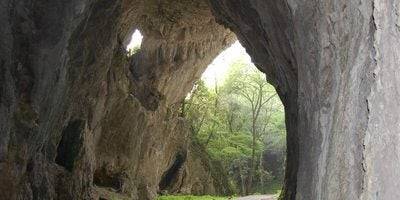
[190,197]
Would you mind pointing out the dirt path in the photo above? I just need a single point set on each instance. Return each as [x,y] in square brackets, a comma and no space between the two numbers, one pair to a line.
[257,197]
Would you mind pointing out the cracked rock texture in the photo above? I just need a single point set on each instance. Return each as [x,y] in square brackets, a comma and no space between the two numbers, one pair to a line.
[335,66]
[81,120]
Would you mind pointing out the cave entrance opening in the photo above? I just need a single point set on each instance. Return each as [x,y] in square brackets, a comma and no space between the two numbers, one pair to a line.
[237,116]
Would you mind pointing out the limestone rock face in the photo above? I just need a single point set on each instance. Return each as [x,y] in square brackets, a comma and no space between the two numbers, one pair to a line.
[335,65]
[198,175]
[81,120]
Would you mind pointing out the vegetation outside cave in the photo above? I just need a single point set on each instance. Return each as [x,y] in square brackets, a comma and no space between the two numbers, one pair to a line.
[240,122]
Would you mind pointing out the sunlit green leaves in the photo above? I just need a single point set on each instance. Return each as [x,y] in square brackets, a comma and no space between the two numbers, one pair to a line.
[225,118]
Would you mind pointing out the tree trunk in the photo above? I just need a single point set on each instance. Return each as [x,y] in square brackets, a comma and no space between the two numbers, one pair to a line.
[242,180]
[253,157]
[215,113]
[262,176]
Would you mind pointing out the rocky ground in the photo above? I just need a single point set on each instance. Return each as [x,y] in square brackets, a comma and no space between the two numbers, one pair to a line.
[257,197]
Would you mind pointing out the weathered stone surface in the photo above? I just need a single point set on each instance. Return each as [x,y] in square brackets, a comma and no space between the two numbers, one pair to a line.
[79,120]
[200,175]
[333,63]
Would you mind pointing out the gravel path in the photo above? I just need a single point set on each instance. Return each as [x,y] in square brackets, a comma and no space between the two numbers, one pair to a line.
[257,197]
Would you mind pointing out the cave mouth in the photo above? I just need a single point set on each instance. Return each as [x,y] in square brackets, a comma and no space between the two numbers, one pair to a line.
[240,120]
[170,177]
[70,144]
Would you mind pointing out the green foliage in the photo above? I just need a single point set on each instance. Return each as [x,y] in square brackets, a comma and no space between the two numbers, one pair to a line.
[190,197]
[235,119]
[133,50]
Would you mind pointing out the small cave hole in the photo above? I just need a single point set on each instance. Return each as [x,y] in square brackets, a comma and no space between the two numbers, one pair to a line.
[71,143]
[135,43]
[169,177]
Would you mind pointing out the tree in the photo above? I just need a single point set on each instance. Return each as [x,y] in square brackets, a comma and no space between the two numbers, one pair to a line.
[196,108]
[215,112]
[251,86]
[237,121]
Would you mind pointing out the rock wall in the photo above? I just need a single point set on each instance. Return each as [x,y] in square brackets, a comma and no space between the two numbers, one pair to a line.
[81,120]
[199,175]
[334,65]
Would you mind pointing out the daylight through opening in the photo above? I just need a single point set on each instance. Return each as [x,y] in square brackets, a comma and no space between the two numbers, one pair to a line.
[239,119]
[135,42]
